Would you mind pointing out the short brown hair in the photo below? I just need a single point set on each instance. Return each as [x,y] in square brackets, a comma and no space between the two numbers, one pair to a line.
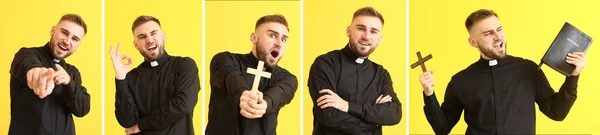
[75,19]
[368,11]
[143,19]
[478,16]
[278,18]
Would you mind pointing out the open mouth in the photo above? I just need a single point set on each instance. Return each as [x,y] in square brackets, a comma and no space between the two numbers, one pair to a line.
[498,45]
[152,48]
[274,53]
[62,47]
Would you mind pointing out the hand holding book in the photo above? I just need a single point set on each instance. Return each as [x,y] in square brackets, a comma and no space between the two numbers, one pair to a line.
[567,53]
[578,60]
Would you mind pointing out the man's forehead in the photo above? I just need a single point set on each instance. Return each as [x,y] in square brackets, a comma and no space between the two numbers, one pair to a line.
[486,24]
[73,28]
[146,27]
[369,21]
[274,26]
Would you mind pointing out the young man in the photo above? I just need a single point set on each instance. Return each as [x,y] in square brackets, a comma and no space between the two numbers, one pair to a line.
[45,90]
[352,94]
[236,110]
[159,95]
[497,92]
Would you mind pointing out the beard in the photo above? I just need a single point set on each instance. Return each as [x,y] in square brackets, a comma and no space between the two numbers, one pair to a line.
[355,47]
[489,52]
[151,57]
[263,54]
[54,46]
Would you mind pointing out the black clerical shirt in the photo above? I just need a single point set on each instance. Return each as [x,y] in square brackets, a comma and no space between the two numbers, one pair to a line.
[160,98]
[358,83]
[228,79]
[51,115]
[499,99]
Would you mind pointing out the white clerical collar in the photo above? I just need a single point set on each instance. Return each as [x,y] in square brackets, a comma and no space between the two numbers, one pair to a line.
[493,62]
[359,60]
[153,63]
[56,60]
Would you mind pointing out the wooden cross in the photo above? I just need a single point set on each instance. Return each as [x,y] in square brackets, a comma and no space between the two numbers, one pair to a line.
[421,61]
[258,73]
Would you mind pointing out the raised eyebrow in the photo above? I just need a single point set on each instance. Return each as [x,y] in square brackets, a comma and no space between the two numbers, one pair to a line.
[68,32]
[499,27]
[154,31]
[277,33]
[361,25]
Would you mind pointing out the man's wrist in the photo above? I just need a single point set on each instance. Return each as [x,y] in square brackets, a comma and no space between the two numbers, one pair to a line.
[118,77]
[347,105]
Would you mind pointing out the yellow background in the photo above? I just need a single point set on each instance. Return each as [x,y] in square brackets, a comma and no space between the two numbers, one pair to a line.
[28,25]
[228,28]
[437,27]
[325,30]
[181,21]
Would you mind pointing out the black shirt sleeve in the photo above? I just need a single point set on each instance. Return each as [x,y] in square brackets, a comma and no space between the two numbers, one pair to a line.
[76,96]
[443,119]
[186,96]
[126,109]
[555,105]
[388,113]
[24,60]
[225,76]
[322,76]
[281,92]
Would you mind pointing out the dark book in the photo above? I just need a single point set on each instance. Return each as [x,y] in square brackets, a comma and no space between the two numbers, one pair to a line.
[568,40]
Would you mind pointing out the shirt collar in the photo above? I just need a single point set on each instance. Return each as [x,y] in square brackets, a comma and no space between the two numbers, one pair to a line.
[49,53]
[347,51]
[491,63]
[161,59]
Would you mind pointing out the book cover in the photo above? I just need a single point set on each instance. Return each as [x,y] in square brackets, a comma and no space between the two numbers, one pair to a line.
[568,40]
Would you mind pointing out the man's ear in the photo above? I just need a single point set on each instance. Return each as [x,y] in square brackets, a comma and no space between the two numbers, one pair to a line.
[473,42]
[348,31]
[135,45]
[253,38]
[52,31]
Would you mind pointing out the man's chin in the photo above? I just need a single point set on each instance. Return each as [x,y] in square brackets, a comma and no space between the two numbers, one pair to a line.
[500,56]
[60,56]
[363,53]
[271,63]
[151,56]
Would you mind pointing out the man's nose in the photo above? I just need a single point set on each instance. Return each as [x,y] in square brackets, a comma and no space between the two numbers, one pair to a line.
[150,40]
[68,41]
[278,43]
[366,36]
[497,36]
